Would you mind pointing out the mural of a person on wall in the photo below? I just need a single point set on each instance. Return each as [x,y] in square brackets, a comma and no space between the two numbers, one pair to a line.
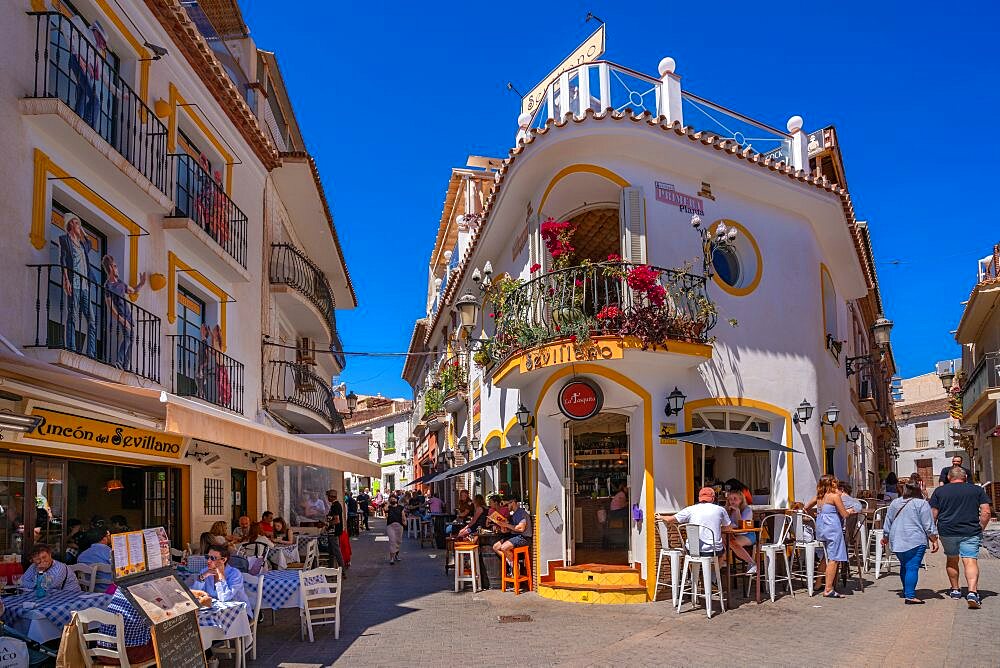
[74,256]
[207,363]
[116,291]
[224,392]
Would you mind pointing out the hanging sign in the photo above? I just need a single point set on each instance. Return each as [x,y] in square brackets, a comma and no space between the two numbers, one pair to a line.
[588,52]
[668,194]
[580,399]
[76,430]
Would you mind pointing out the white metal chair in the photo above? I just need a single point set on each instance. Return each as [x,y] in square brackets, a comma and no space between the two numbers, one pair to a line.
[412,526]
[777,526]
[672,553]
[804,534]
[86,575]
[319,600]
[708,563]
[97,654]
[873,543]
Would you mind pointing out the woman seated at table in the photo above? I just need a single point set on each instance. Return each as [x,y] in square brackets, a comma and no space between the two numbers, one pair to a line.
[478,519]
[739,512]
[496,505]
[220,580]
[46,572]
[220,533]
[208,539]
[257,543]
[281,534]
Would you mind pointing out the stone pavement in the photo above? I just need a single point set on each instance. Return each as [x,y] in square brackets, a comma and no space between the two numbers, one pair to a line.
[408,614]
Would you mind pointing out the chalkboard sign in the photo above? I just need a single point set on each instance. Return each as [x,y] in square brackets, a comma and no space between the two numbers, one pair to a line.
[177,642]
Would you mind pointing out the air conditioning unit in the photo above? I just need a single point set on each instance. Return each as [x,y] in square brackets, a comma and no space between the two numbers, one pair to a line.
[304,353]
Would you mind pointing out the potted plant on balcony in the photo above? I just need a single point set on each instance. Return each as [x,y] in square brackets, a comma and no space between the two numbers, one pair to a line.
[454,382]
[434,408]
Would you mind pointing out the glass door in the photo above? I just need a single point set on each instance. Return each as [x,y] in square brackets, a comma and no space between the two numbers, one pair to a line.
[12,507]
[48,510]
[239,479]
[162,495]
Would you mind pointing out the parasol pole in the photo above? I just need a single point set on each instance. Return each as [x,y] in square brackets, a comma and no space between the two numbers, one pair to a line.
[702,464]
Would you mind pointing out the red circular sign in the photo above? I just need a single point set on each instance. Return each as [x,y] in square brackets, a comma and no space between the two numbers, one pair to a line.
[580,399]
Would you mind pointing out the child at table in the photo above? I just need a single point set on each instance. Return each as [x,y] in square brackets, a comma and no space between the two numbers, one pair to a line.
[740,512]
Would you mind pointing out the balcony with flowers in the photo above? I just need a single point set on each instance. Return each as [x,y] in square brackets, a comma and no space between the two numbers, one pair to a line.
[581,306]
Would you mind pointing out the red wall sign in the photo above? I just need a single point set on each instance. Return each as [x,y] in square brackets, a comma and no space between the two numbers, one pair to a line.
[580,399]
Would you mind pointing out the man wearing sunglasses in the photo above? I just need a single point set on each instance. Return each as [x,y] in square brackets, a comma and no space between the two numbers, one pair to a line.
[220,580]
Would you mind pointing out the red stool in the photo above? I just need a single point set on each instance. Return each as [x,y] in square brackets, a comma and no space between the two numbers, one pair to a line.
[516,578]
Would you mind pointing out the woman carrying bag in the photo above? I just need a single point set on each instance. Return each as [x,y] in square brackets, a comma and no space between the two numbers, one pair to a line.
[908,526]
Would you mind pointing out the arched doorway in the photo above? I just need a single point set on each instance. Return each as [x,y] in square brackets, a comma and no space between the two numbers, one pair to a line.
[598,463]
[598,235]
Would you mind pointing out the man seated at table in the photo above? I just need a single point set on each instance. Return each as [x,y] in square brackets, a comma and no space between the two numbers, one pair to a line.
[220,580]
[850,503]
[51,574]
[98,552]
[713,520]
[239,534]
[266,526]
[516,531]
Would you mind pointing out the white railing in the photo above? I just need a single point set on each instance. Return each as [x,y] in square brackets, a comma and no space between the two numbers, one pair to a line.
[602,85]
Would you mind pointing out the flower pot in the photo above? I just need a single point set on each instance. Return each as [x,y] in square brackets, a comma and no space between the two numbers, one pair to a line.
[566,315]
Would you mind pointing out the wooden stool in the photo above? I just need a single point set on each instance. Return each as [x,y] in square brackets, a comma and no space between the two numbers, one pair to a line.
[516,578]
[412,526]
[463,551]
[426,533]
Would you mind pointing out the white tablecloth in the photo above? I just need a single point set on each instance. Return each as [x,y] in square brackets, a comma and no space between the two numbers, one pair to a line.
[282,555]
[224,621]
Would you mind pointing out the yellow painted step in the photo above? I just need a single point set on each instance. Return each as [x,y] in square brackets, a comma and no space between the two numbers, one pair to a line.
[598,575]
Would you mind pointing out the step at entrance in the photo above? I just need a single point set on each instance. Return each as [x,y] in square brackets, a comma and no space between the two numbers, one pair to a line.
[594,583]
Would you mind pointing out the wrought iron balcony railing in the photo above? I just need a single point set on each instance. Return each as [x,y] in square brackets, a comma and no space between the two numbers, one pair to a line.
[200,197]
[81,315]
[607,298]
[71,68]
[298,384]
[985,376]
[290,266]
[203,372]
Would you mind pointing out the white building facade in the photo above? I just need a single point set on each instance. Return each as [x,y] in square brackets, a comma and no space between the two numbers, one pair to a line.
[926,428]
[144,176]
[599,295]
[386,424]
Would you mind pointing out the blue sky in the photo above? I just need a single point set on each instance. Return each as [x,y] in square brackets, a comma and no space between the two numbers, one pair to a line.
[390,97]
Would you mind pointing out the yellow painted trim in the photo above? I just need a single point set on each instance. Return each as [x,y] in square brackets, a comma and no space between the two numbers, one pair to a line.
[133,41]
[497,433]
[647,416]
[740,292]
[177,101]
[691,406]
[173,264]
[510,425]
[40,198]
[618,346]
[577,169]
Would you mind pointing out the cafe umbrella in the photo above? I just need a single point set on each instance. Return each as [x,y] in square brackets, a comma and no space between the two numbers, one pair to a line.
[727,439]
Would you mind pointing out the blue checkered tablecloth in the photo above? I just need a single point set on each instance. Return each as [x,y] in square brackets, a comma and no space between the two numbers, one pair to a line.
[222,615]
[281,590]
[56,607]
[302,540]
[281,555]
[196,563]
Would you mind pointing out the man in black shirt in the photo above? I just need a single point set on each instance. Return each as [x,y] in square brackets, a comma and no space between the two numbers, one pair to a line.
[955,461]
[363,502]
[962,512]
[335,527]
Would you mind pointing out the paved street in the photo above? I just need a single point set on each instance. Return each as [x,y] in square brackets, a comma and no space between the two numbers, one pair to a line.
[407,614]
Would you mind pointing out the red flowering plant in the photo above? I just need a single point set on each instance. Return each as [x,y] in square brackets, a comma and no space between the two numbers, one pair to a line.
[453,377]
[558,239]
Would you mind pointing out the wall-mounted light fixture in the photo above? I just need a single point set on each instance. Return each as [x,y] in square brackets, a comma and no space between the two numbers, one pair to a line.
[803,412]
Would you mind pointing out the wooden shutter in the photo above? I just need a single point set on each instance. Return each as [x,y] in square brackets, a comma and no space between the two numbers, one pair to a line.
[534,241]
[632,219]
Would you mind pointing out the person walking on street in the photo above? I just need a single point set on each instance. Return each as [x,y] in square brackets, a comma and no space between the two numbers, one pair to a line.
[909,524]
[962,512]
[364,501]
[395,518]
[955,461]
[335,527]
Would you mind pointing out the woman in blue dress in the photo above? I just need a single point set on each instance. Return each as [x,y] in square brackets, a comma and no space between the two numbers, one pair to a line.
[830,528]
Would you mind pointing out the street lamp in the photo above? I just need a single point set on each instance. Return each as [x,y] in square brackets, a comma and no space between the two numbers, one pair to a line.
[831,415]
[468,311]
[854,434]
[881,329]
[675,402]
[352,402]
[463,447]
[803,412]
[524,417]
[947,378]
[474,444]
[721,237]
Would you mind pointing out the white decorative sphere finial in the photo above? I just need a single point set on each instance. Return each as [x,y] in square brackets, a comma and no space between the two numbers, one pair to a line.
[667,65]
[447,255]
[524,120]
[695,221]
[794,124]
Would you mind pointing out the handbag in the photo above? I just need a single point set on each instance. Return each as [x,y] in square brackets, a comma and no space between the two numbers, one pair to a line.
[636,513]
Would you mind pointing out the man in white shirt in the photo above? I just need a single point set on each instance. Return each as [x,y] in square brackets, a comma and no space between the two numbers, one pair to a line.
[711,518]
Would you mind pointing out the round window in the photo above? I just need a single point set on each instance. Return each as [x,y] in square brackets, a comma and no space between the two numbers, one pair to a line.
[726,263]
[737,266]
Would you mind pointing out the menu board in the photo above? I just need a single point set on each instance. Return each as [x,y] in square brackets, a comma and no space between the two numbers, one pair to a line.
[177,642]
[161,599]
[137,552]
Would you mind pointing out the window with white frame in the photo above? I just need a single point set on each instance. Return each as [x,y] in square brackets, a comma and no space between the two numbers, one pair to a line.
[751,467]
[923,440]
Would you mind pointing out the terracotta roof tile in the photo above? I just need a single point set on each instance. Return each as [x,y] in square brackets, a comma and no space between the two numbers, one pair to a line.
[922,408]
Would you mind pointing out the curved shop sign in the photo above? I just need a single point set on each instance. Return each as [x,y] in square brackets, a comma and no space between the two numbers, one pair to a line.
[73,429]
[580,399]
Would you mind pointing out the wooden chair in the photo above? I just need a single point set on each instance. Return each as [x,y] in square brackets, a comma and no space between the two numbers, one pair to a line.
[319,600]
[98,654]
[86,575]
[312,557]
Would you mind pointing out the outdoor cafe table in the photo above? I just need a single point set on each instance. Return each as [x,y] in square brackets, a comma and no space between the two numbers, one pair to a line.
[281,555]
[224,621]
[281,590]
[43,619]
[302,540]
